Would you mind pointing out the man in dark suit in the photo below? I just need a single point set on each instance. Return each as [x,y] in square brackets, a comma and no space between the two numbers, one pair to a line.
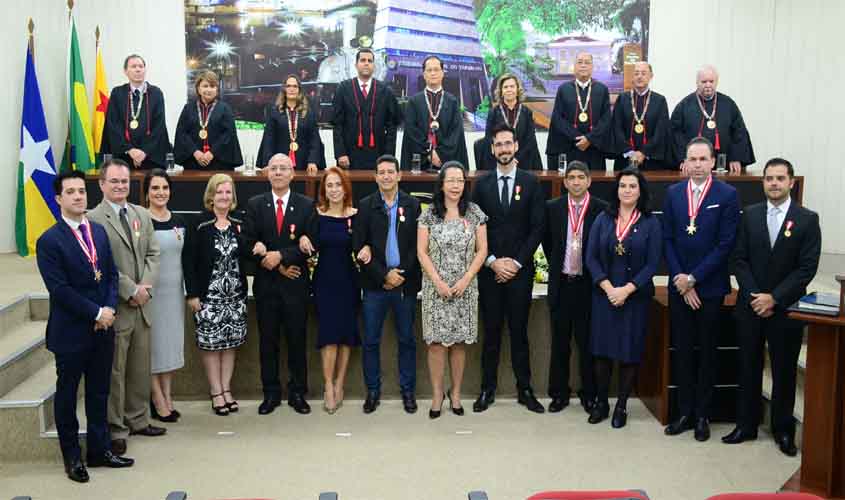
[776,256]
[513,200]
[365,119]
[136,253]
[135,129]
[434,125]
[700,216]
[77,267]
[274,223]
[386,231]
[568,222]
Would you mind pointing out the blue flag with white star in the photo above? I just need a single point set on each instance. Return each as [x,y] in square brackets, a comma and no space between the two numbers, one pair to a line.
[36,209]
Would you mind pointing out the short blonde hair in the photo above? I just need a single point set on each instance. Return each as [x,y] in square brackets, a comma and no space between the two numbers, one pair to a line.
[208,76]
[498,100]
[211,189]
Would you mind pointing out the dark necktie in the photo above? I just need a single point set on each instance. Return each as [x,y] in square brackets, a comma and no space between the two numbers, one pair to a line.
[136,101]
[505,196]
[124,221]
[364,90]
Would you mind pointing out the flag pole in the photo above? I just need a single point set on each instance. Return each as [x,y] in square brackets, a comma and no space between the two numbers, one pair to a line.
[31,43]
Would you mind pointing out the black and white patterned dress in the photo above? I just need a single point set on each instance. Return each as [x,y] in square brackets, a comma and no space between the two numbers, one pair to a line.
[451,247]
[221,321]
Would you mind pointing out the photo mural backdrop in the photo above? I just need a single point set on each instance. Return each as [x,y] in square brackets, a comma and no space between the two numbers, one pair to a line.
[254,44]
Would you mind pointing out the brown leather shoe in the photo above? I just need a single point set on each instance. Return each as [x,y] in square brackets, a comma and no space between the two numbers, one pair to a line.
[118,446]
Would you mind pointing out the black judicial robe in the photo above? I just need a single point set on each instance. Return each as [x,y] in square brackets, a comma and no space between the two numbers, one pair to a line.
[688,122]
[222,138]
[655,142]
[565,126]
[276,138]
[528,155]
[151,136]
[451,144]
[384,120]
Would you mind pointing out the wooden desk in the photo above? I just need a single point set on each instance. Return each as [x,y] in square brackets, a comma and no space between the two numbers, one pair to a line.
[188,187]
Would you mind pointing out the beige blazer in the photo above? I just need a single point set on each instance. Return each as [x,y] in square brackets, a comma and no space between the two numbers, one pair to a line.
[146,252]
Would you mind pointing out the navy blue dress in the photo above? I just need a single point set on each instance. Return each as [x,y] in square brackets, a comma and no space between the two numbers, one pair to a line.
[336,288]
[619,332]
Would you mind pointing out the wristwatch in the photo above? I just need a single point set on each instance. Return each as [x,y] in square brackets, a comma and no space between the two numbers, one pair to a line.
[690,281]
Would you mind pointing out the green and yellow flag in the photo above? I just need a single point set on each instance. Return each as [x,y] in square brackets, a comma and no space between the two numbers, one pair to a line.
[79,128]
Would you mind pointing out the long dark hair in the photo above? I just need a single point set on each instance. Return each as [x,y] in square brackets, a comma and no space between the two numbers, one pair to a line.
[438,202]
[645,196]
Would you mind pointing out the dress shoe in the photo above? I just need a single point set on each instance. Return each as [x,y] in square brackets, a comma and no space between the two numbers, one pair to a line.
[786,443]
[109,459]
[527,399]
[372,402]
[683,424]
[587,402]
[409,402]
[702,429]
[599,412]
[267,406]
[299,405]
[485,399]
[557,405]
[620,417]
[150,431]
[118,446]
[739,435]
[76,471]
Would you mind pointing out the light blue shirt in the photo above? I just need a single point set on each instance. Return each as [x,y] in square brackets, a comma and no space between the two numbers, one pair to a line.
[391,250]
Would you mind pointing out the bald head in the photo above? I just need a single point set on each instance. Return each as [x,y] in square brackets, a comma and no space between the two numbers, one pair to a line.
[706,81]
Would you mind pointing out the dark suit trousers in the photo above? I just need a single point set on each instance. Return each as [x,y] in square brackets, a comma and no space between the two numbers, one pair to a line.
[571,316]
[498,301]
[784,347]
[694,337]
[278,313]
[96,365]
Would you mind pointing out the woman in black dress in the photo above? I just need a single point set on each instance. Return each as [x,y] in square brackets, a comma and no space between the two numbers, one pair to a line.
[508,108]
[623,255]
[206,138]
[291,128]
[215,281]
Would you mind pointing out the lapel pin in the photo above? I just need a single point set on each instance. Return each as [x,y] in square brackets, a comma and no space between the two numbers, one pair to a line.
[788,231]
[292,230]
[401,214]
[518,189]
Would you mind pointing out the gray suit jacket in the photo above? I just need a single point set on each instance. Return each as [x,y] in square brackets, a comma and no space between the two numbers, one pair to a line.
[146,253]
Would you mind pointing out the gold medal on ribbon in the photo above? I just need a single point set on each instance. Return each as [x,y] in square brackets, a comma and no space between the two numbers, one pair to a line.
[98,275]
[133,124]
[620,248]
[434,125]
[294,146]
[582,117]
[639,128]
[203,134]
[575,243]
[711,124]
[691,229]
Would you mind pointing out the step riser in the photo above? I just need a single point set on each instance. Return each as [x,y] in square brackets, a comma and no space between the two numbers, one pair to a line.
[24,365]
[22,442]
[14,315]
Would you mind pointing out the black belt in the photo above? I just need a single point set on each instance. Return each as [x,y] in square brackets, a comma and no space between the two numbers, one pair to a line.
[571,278]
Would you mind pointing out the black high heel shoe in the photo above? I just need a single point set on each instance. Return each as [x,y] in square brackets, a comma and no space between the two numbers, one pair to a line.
[173,417]
[432,413]
[233,405]
[459,411]
[221,410]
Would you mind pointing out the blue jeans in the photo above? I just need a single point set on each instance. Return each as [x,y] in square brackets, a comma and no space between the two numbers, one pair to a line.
[375,307]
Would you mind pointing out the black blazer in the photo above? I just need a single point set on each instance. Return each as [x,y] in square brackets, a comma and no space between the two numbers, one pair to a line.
[515,234]
[151,136]
[260,225]
[345,120]
[562,133]
[554,239]
[222,138]
[655,143]
[370,228]
[451,144]
[276,138]
[199,254]
[783,271]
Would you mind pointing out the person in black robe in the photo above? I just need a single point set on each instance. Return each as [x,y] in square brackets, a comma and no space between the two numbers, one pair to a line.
[206,138]
[508,108]
[581,118]
[694,117]
[365,119]
[641,138]
[135,129]
[434,128]
[291,128]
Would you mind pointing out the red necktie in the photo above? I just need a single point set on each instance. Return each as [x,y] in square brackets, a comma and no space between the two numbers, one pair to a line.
[364,90]
[280,216]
